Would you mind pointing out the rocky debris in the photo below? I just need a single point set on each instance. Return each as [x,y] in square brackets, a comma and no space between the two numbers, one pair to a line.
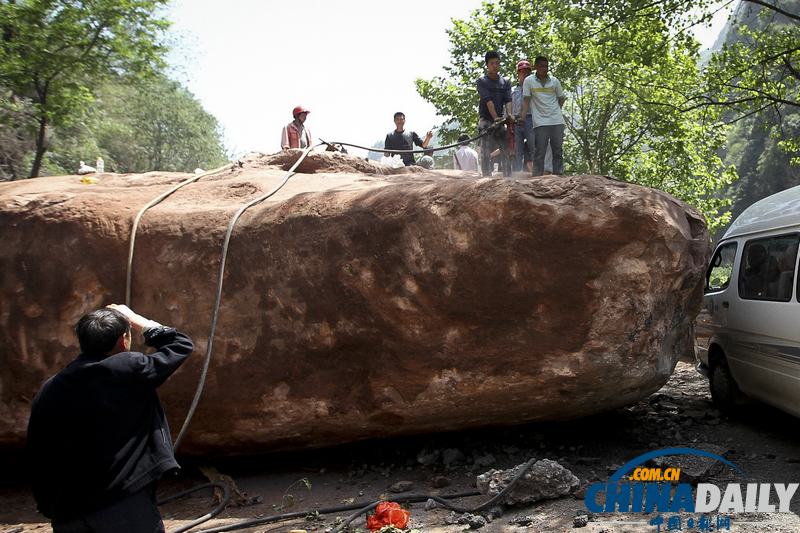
[440,482]
[545,480]
[428,457]
[359,305]
[401,486]
[694,468]
[453,456]
[580,492]
[580,521]
[317,162]
[450,458]
[522,521]
[690,411]
[466,519]
[493,514]
[582,518]
[484,460]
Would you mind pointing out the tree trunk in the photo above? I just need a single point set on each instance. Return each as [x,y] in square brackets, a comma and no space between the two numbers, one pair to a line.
[40,146]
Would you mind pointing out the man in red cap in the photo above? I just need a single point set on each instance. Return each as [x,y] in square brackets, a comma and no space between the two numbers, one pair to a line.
[295,134]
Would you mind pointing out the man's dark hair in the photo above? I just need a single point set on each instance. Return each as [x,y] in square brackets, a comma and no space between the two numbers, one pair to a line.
[540,59]
[399,114]
[99,331]
[463,137]
[491,54]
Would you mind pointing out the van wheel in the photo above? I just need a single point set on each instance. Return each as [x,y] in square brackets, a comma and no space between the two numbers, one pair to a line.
[724,391]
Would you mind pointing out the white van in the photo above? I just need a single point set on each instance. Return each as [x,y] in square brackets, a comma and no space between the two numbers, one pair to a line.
[752,345]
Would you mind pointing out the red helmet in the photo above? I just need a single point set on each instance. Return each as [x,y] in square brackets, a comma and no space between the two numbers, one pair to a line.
[299,109]
[523,65]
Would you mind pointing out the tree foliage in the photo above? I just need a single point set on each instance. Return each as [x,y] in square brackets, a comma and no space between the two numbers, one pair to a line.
[16,133]
[154,124]
[755,147]
[759,65]
[82,79]
[622,65]
[159,125]
[55,52]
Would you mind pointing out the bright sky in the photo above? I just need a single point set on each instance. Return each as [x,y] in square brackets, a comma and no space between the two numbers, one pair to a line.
[352,63]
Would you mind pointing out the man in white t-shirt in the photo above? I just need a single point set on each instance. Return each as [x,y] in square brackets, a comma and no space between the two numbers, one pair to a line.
[465,158]
[543,95]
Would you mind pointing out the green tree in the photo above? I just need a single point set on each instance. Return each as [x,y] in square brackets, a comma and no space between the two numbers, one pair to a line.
[620,64]
[55,52]
[154,124]
[158,125]
[757,72]
[764,168]
[16,139]
[759,65]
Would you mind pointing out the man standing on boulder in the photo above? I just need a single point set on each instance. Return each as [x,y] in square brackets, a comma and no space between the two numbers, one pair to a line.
[98,439]
[543,96]
[400,139]
[495,97]
[465,158]
[521,126]
[295,134]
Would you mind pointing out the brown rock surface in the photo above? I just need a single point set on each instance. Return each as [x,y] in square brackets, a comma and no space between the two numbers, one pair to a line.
[359,305]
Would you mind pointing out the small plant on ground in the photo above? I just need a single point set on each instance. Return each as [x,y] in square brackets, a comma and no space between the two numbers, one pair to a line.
[288,499]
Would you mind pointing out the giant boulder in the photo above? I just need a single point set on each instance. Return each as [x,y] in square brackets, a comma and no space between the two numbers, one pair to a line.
[357,303]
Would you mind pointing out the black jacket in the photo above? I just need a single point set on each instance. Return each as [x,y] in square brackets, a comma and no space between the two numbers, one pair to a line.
[404,140]
[97,431]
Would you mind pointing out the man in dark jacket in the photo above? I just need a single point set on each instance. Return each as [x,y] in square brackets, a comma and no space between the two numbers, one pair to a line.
[400,139]
[97,437]
[495,103]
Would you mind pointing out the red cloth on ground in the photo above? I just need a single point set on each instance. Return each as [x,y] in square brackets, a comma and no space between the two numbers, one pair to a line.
[388,514]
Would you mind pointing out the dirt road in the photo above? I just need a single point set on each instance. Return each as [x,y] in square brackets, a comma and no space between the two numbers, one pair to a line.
[762,442]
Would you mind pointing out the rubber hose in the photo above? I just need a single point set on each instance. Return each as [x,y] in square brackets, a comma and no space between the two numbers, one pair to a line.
[447,505]
[327,510]
[220,278]
[447,147]
[226,496]
[141,213]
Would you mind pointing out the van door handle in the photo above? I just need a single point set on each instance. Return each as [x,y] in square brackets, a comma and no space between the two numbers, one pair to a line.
[726,305]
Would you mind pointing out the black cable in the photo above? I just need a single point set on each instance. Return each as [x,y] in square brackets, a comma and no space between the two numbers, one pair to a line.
[447,505]
[215,315]
[326,510]
[362,507]
[226,496]
[494,126]
[140,214]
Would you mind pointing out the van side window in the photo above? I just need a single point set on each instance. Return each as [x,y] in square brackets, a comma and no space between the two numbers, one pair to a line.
[767,268]
[718,275]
